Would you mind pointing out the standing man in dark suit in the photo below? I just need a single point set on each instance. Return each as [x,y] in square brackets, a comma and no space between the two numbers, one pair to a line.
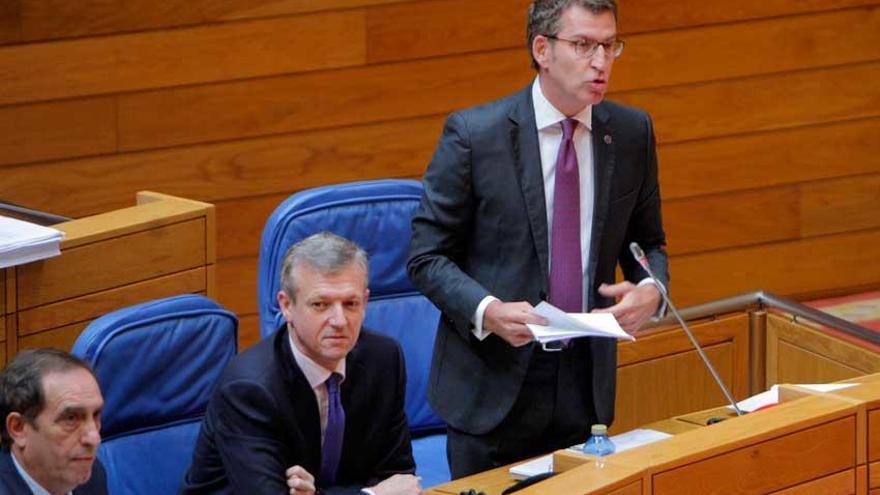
[536,197]
[51,408]
[320,404]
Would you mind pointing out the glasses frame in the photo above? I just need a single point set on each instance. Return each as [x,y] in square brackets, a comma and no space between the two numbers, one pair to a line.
[613,48]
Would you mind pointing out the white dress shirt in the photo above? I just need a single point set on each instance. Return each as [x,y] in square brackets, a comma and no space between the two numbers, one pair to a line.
[548,120]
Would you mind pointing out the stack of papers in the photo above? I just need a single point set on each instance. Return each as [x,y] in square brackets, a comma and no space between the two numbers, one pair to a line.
[22,242]
[564,325]
[771,396]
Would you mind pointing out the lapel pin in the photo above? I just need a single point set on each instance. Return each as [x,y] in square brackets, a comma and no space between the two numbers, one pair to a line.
[607,138]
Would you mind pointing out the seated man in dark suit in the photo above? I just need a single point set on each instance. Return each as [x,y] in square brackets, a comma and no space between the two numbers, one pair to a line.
[319,405]
[51,406]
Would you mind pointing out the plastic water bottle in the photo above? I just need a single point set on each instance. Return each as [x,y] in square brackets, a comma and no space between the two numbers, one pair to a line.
[599,444]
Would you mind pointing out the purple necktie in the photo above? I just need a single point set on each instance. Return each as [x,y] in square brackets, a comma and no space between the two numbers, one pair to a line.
[331,451]
[566,273]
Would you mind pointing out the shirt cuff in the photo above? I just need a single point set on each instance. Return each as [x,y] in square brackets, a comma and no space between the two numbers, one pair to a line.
[661,312]
[367,491]
[479,332]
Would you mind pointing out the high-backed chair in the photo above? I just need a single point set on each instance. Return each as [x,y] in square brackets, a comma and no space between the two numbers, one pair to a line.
[157,363]
[376,215]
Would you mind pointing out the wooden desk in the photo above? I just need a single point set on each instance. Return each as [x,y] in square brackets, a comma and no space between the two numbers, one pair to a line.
[160,247]
[814,444]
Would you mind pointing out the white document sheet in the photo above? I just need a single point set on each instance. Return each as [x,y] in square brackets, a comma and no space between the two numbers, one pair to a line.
[564,325]
[22,242]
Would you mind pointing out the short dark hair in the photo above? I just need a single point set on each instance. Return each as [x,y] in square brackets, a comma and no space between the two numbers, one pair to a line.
[544,15]
[325,252]
[21,384]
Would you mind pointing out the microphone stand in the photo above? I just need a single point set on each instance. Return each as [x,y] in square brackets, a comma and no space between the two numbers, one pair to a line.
[643,261]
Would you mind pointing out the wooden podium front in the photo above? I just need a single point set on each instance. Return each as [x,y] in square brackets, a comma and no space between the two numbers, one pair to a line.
[160,247]
[814,443]
[826,444]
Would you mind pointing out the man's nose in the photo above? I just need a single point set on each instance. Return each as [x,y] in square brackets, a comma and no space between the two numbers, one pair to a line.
[599,59]
[91,435]
[337,315]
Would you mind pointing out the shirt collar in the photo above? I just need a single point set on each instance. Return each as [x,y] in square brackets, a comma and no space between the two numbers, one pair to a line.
[315,373]
[547,115]
[35,487]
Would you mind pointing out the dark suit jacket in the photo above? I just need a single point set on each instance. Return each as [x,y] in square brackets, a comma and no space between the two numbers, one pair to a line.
[263,419]
[481,229]
[13,484]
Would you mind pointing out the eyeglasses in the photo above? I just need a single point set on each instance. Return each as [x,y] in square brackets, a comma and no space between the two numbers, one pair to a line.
[587,48]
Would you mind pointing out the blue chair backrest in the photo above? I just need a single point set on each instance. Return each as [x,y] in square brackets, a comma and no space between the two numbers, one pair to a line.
[157,364]
[377,216]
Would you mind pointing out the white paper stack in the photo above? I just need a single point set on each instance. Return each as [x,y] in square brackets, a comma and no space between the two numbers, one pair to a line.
[22,242]
[564,325]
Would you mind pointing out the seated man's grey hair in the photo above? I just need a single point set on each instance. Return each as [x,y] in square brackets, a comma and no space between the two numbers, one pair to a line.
[326,252]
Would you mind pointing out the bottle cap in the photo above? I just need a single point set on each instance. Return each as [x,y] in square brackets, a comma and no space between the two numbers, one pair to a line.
[599,430]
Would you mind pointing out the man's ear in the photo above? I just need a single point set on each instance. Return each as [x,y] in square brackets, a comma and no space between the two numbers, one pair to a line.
[15,425]
[285,303]
[541,50]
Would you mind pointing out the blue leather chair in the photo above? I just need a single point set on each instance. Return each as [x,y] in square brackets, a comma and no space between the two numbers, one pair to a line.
[157,364]
[376,215]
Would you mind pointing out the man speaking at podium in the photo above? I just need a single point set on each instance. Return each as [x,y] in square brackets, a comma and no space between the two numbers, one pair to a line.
[536,197]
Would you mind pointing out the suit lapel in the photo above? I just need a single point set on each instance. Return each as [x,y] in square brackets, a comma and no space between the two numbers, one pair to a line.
[603,160]
[527,161]
[302,398]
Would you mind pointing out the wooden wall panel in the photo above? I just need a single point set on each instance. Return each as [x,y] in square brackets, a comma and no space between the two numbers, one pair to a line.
[803,268]
[770,158]
[767,116]
[249,169]
[48,131]
[34,20]
[186,56]
[761,103]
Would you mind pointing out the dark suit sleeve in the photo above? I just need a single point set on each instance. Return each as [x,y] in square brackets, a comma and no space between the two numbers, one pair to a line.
[442,227]
[646,224]
[395,455]
[247,440]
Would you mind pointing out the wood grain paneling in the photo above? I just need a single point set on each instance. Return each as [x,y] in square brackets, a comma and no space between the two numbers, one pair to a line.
[185,56]
[313,101]
[60,338]
[248,331]
[771,158]
[141,255]
[841,205]
[250,169]
[761,103]
[811,209]
[804,268]
[237,284]
[842,483]
[716,52]
[31,20]
[91,306]
[638,402]
[57,130]
[771,465]
[874,443]
[435,28]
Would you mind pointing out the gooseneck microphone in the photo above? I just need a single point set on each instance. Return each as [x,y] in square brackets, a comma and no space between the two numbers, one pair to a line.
[640,257]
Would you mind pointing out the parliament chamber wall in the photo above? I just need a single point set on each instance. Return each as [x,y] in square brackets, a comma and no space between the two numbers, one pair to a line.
[767,115]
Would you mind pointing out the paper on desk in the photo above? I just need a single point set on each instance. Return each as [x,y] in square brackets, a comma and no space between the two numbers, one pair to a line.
[22,242]
[771,396]
[543,464]
[564,325]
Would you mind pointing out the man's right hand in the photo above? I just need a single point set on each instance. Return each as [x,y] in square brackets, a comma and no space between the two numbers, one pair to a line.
[508,321]
[399,484]
[300,481]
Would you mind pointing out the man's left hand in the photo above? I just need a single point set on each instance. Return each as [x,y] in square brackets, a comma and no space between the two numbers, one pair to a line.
[635,305]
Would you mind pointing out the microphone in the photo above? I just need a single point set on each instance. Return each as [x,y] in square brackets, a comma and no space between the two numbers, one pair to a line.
[640,257]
